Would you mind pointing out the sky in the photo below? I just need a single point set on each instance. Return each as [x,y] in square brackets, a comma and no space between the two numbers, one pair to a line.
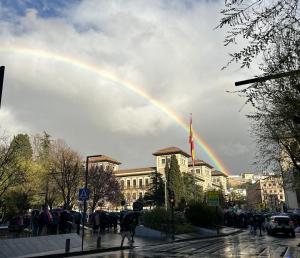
[80,70]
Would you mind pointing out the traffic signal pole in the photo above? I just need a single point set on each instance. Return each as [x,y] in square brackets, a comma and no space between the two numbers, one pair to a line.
[84,202]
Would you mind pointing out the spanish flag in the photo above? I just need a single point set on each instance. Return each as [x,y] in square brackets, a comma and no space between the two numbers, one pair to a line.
[191,141]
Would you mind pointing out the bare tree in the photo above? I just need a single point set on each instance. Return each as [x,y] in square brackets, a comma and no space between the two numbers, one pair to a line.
[66,171]
[104,186]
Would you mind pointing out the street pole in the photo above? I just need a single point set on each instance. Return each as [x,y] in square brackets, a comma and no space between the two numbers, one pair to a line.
[2,69]
[166,196]
[172,221]
[166,184]
[84,202]
[268,77]
[194,182]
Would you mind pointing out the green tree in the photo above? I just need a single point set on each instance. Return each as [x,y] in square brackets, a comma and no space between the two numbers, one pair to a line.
[46,190]
[174,180]
[14,161]
[21,143]
[156,191]
[188,187]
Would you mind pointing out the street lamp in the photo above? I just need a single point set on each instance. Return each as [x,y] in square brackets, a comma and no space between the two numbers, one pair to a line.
[86,186]
[2,68]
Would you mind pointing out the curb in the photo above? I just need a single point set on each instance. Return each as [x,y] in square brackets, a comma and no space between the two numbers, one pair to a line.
[85,252]
[112,249]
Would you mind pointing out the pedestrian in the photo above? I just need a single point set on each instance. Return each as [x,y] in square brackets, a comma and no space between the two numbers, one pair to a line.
[34,222]
[258,222]
[133,224]
[78,219]
[44,220]
[97,221]
[125,228]
[251,223]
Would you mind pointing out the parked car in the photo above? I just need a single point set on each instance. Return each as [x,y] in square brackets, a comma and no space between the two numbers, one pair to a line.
[280,224]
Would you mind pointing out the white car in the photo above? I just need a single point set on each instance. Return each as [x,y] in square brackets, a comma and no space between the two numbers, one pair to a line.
[282,224]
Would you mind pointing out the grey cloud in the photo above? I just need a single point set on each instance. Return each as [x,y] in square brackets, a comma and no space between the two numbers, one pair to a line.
[169,51]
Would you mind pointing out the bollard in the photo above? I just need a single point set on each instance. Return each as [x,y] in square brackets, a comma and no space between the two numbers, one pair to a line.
[67,245]
[99,242]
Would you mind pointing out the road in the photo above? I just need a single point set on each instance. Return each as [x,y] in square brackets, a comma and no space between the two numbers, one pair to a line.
[241,245]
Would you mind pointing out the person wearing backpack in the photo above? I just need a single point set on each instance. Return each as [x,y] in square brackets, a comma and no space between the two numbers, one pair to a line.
[125,228]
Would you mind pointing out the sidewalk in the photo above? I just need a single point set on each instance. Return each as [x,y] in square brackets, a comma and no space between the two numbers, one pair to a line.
[53,246]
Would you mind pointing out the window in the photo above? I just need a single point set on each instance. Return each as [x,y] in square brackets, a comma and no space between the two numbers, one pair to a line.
[128,196]
[198,171]
[270,185]
[163,161]
[134,183]
[122,183]
[140,183]
[128,183]
[140,195]
[134,196]
[147,182]
[281,197]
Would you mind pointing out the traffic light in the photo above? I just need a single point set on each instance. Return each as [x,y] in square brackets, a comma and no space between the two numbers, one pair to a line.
[171,197]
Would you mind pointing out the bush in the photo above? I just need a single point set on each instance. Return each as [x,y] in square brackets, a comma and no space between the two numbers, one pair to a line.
[200,214]
[155,218]
[184,228]
[158,217]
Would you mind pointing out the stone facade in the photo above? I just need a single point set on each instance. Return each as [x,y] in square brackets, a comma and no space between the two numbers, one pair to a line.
[135,182]
[220,179]
[266,193]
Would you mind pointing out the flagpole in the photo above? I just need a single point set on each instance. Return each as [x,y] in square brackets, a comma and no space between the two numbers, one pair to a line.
[194,181]
[192,154]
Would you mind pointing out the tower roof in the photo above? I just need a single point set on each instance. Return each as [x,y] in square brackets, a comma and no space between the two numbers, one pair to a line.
[171,150]
[218,173]
[199,162]
[103,158]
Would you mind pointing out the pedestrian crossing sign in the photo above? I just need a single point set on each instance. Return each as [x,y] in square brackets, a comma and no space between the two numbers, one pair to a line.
[84,194]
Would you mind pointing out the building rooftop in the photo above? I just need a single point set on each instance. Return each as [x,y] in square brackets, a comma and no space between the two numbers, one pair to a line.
[199,162]
[136,170]
[103,158]
[171,150]
[218,173]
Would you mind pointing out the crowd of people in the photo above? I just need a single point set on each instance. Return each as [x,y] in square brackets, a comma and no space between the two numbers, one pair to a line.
[44,222]
[255,221]
[128,220]
[60,221]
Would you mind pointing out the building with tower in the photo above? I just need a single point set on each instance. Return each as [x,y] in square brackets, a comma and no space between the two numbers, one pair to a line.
[135,182]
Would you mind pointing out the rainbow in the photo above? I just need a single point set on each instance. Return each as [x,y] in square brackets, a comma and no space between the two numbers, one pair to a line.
[129,85]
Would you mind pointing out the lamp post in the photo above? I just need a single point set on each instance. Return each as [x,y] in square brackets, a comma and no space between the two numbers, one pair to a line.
[84,201]
[2,69]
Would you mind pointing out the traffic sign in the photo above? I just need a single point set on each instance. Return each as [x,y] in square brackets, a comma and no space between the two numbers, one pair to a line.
[84,194]
[213,198]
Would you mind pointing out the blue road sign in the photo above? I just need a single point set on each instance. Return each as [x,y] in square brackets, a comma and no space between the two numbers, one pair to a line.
[84,194]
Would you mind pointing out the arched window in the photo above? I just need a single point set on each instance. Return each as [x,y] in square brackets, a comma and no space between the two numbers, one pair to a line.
[128,197]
